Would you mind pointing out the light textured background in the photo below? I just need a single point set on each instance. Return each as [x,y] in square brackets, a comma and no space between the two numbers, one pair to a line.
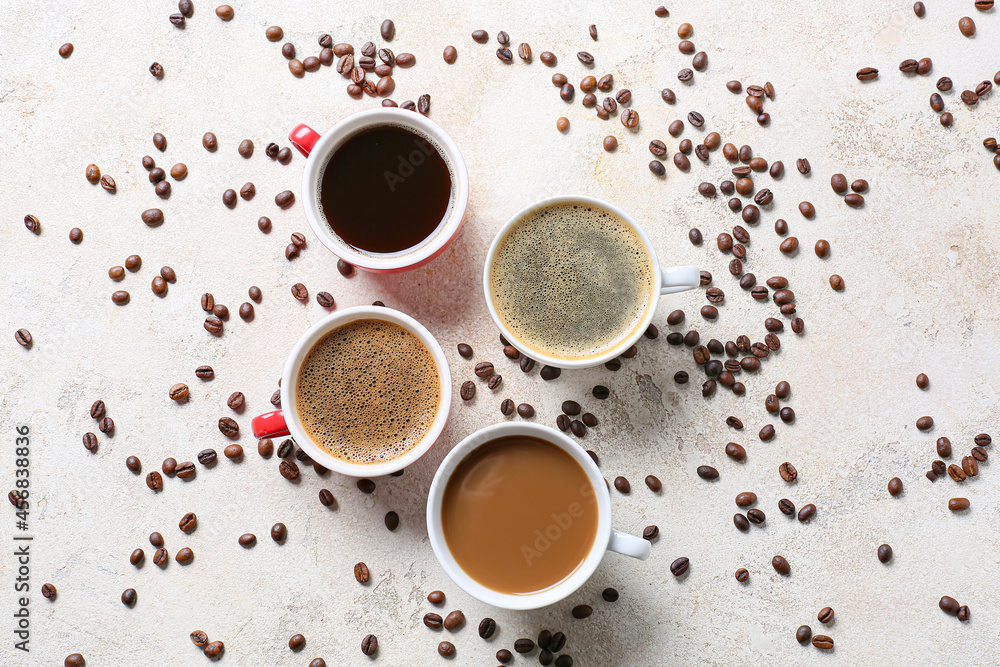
[919,262]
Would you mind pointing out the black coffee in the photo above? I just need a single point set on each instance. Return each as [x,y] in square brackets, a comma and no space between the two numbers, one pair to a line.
[385,189]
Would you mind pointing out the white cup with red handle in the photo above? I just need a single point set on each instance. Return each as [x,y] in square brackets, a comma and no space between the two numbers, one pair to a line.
[286,421]
[319,148]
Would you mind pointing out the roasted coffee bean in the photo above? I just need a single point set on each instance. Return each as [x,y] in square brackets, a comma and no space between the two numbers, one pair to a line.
[963,613]
[468,390]
[807,512]
[741,522]
[622,485]
[979,454]
[787,472]
[970,466]
[288,469]
[755,515]
[679,566]
[925,423]
[454,621]
[433,621]
[746,498]
[735,451]
[707,472]
[948,605]
[781,565]
[983,440]
[185,470]
[279,532]
[548,372]
[629,118]
[369,645]
[958,504]
[484,369]
[946,119]
[967,26]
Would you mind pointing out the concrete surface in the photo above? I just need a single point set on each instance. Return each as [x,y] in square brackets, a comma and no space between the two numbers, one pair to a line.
[919,261]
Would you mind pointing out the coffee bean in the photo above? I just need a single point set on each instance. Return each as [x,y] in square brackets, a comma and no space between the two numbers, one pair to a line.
[979,454]
[970,466]
[468,390]
[487,628]
[629,118]
[807,512]
[958,504]
[707,472]
[946,119]
[948,605]
[278,532]
[288,469]
[967,26]
[433,621]
[746,498]
[185,470]
[454,621]
[943,447]
[756,516]
[679,566]
[369,645]
[781,565]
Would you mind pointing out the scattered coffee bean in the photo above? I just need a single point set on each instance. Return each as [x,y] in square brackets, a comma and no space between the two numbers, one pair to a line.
[369,645]
[679,566]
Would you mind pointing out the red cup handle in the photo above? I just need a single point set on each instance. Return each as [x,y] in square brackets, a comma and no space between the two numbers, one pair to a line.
[269,425]
[304,138]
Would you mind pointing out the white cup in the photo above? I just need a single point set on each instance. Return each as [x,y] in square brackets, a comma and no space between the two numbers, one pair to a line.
[286,421]
[318,148]
[606,539]
[671,280]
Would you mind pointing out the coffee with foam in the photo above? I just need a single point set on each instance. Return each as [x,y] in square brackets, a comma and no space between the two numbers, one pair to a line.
[368,391]
[571,281]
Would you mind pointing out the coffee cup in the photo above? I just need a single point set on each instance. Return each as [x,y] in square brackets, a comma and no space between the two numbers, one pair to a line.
[593,491]
[573,281]
[409,172]
[292,419]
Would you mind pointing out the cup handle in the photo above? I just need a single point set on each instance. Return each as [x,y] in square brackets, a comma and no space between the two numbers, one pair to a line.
[269,425]
[304,138]
[630,545]
[679,279]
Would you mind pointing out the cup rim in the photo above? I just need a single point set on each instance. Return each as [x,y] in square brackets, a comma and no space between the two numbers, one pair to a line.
[289,378]
[625,343]
[330,140]
[443,553]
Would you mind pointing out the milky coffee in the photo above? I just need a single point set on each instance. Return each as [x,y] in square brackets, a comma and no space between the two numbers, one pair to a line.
[519,515]
[571,281]
[368,391]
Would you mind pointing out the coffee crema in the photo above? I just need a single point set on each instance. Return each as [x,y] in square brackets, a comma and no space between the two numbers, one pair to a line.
[519,515]
[571,281]
[386,189]
[368,391]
